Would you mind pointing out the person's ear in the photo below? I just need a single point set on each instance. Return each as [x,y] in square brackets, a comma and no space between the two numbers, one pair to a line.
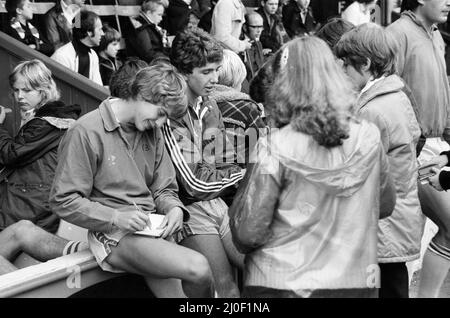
[19,11]
[366,66]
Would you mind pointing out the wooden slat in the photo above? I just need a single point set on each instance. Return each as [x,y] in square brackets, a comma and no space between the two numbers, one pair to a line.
[101,10]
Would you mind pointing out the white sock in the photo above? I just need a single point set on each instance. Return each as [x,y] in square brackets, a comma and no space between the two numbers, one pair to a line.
[74,246]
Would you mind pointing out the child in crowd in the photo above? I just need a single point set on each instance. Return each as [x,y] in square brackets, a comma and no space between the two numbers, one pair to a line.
[148,40]
[27,167]
[204,158]
[369,54]
[107,53]
[19,27]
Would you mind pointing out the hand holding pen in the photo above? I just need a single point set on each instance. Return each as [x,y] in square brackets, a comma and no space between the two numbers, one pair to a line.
[131,220]
[149,223]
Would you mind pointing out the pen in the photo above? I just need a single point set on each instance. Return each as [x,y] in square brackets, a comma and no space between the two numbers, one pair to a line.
[140,210]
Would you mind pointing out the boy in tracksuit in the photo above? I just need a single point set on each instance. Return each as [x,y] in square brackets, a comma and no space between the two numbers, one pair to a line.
[204,159]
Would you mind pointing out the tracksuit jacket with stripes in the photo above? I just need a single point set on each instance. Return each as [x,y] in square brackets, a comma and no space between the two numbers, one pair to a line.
[202,155]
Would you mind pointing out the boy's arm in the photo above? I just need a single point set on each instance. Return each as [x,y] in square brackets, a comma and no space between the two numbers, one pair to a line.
[164,186]
[251,213]
[73,183]
[36,138]
[200,180]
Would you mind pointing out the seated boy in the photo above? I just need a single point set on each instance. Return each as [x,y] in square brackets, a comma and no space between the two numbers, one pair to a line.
[204,158]
[114,170]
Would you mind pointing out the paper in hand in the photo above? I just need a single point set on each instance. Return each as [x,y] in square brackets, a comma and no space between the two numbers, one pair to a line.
[154,231]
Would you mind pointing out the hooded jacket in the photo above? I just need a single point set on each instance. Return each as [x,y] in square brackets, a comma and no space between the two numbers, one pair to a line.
[306,215]
[421,63]
[385,104]
[29,162]
[177,15]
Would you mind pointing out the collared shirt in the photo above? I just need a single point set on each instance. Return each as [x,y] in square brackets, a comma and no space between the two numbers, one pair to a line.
[100,173]
[370,83]
[303,13]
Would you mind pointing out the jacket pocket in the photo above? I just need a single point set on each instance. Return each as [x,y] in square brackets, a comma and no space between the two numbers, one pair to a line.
[28,200]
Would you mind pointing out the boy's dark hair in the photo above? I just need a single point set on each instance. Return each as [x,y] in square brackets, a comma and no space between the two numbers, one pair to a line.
[369,41]
[193,48]
[121,79]
[333,30]
[12,5]
[410,5]
[111,35]
[87,24]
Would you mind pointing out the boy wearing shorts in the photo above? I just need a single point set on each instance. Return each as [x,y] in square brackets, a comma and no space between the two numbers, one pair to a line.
[114,170]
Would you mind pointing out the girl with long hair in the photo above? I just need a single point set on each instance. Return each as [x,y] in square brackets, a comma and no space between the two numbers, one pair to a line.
[306,213]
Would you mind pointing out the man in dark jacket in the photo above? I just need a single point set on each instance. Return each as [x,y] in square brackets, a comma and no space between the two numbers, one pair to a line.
[271,37]
[178,15]
[205,20]
[298,19]
[58,22]
[254,56]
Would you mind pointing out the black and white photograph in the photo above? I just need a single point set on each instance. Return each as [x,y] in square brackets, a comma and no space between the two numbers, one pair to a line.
[224,155]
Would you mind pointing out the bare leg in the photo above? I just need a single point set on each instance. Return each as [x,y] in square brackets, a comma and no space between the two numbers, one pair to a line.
[431,281]
[436,206]
[6,266]
[235,257]
[211,246]
[24,236]
[159,258]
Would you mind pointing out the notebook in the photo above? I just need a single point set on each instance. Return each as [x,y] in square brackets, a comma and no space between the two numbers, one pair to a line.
[154,231]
